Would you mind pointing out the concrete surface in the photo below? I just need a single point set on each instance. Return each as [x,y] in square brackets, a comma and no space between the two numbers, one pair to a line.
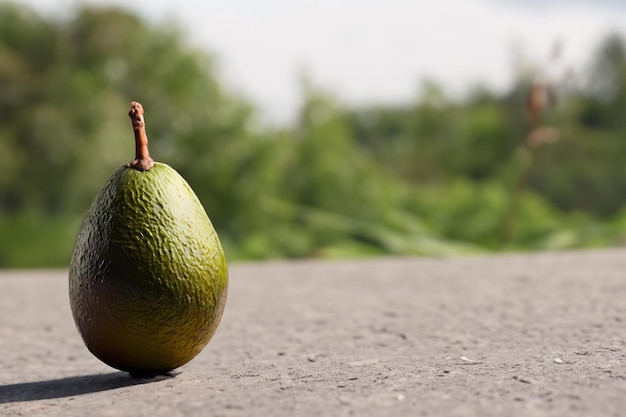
[514,335]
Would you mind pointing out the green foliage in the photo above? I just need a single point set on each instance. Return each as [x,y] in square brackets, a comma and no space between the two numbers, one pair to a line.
[31,240]
[433,177]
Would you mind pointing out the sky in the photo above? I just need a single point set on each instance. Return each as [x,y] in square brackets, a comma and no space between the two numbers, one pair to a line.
[374,51]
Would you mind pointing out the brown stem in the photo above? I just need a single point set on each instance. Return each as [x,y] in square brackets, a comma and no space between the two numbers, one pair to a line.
[143,161]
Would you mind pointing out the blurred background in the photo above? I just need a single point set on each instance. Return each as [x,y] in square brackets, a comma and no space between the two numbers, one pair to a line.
[319,129]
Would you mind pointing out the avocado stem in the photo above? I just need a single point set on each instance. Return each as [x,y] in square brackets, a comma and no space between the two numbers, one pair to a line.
[142,161]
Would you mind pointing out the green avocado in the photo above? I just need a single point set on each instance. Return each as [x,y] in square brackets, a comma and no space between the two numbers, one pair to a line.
[148,278]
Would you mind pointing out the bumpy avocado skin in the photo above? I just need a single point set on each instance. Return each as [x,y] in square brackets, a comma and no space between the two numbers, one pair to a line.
[148,277]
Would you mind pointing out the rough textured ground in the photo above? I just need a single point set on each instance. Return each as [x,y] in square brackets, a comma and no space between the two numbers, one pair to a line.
[518,335]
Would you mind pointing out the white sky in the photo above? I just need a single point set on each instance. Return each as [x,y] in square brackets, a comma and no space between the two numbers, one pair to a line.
[374,50]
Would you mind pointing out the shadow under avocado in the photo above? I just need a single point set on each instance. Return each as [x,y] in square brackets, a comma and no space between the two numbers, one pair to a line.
[72,386]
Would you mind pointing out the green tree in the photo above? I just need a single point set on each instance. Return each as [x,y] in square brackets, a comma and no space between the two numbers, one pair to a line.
[64,90]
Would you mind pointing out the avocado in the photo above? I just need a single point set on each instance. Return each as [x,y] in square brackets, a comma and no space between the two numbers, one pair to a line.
[148,278]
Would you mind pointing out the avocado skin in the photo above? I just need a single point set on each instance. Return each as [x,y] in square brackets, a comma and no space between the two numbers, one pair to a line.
[148,278]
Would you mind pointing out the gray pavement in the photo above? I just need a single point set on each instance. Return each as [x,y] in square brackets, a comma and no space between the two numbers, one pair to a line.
[514,335]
